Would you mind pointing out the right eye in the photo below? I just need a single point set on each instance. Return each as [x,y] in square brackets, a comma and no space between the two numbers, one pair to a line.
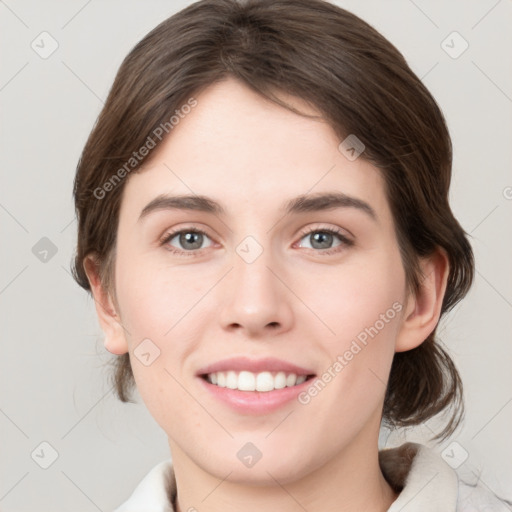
[185,241]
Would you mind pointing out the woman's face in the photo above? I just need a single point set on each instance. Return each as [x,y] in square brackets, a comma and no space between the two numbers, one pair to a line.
[274,287]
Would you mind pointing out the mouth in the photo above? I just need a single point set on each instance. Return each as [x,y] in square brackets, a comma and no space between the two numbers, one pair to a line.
[262,382]
[254,387]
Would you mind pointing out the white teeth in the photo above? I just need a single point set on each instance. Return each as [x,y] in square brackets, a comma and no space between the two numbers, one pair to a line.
[301,379]
[291,379]
[264,381]
[248,381]
[280,380]
[231,380]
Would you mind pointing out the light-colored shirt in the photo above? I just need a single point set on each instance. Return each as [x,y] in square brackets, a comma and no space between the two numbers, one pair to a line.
[425,482]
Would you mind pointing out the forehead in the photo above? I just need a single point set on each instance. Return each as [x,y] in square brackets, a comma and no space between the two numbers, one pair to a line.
[251,153]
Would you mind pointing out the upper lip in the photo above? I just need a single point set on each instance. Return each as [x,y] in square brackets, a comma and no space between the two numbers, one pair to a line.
[254,365]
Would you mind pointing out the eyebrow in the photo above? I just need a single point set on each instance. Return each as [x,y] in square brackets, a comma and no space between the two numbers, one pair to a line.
[328,201]
[300,204]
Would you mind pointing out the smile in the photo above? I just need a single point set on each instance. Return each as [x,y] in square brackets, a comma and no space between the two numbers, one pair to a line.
[254,386]
[248,381]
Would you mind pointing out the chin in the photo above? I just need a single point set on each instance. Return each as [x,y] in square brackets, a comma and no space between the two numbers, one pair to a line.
[260,468]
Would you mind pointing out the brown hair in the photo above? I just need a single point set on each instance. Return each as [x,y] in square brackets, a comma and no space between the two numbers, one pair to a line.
[358,81]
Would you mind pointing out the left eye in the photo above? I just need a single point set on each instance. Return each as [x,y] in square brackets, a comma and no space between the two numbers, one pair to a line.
[189,240]
[323,239]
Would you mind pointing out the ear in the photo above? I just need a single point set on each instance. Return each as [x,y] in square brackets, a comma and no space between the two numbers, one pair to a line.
[110,322]
[423,310]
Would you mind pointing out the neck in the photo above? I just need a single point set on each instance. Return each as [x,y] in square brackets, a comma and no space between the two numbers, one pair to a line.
[351,481]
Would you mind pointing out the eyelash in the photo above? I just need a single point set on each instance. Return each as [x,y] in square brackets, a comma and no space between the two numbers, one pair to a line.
[197,252]
[346,242]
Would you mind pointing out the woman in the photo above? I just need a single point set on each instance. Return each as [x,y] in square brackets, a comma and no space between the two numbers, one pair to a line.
[265,228]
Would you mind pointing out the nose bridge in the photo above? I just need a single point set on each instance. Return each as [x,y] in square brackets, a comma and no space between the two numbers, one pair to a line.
[252,278]
[256,299]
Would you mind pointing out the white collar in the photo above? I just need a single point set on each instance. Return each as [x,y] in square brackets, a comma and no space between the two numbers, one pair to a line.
[429,483]
[153,491]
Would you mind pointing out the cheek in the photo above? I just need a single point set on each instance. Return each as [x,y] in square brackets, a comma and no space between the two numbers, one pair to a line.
[351,299]
[154,300]
[165,314]
[360,307]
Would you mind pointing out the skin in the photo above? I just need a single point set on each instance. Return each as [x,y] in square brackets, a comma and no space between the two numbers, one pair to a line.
[294,302]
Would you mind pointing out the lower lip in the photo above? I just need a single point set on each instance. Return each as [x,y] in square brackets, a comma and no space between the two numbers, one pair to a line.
[255,402]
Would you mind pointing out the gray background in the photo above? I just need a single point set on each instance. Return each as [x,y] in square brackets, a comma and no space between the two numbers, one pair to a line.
[54,385]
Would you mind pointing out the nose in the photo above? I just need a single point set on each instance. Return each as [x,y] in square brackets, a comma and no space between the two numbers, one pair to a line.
[255,299]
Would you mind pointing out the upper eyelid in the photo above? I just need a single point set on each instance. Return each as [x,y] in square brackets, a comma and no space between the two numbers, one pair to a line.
[303,231]
[336,230]
[342,237]
[193,228]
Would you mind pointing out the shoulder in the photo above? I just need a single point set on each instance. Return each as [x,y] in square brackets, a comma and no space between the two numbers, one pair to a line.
[475,496]
[425,482]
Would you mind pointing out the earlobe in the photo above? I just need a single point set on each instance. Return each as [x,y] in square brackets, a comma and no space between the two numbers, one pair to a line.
[424,309]
[108,317]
